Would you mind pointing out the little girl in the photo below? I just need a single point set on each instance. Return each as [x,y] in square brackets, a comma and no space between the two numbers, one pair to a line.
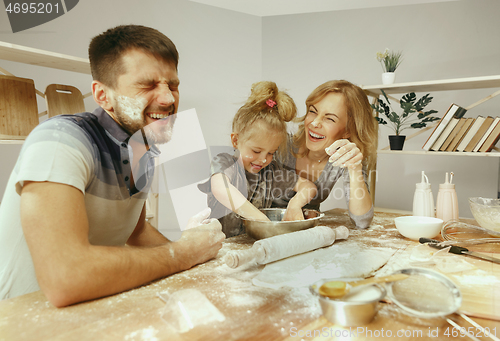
[243,183]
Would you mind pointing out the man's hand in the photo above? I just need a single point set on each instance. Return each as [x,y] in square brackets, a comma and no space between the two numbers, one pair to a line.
[69,269]
[199,218]
[199,244]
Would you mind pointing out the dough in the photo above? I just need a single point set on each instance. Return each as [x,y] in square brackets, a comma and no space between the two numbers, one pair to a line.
[346,259]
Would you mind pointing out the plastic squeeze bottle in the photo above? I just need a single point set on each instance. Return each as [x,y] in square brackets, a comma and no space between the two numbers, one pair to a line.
[447,202]
[423,201]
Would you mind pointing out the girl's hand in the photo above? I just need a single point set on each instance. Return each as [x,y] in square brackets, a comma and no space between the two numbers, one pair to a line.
[344,153]
[293,214]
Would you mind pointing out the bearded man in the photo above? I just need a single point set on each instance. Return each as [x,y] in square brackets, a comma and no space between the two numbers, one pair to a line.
[72,220]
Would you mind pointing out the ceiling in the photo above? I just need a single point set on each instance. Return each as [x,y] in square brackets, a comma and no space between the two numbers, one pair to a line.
[264,8]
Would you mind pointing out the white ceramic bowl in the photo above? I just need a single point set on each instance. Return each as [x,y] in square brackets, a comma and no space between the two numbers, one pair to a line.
[415,227]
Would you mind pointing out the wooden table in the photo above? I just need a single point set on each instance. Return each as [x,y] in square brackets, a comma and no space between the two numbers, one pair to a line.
[251,313]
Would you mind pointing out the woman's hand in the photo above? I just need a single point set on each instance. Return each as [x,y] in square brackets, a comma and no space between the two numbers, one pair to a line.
[293,213]
[344,153]
[306,191]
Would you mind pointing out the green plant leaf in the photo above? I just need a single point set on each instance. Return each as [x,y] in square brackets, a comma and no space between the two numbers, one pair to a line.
[423,102]
[430,112]
[386,109]
[409,98]
[385,96]
[377,108]
[422,115]
[394,117]
[409,106]
[418,125]
[392,60]
[430,119]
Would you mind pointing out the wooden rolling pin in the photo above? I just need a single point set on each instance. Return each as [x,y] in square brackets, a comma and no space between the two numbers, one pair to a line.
[285,245]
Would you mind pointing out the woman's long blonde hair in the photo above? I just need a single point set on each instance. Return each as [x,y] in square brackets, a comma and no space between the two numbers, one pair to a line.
[361,125]
[267,106]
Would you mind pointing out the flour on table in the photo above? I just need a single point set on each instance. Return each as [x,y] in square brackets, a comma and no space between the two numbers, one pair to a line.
[346,259]
[188,308]
[479,277]
[245,299]
[424,256]
[148,334]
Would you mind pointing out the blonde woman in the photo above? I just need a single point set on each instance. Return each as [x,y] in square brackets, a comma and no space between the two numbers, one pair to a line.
[336,139]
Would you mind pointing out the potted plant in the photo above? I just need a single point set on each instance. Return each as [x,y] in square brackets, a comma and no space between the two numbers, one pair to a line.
[410,106]
[390,61]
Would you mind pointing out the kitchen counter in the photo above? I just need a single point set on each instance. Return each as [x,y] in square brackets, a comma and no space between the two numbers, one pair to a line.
[252,312]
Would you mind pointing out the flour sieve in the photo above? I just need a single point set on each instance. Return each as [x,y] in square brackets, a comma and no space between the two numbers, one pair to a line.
[429,294]
[425,293]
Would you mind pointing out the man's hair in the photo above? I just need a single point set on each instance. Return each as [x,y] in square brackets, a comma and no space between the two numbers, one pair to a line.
[106,50]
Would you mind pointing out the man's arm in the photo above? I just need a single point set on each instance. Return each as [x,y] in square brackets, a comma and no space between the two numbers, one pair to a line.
[146,235]
[69,269]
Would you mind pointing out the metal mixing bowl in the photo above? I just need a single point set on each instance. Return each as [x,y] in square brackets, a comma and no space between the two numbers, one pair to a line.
[486,212]
[264,229]
[349,312]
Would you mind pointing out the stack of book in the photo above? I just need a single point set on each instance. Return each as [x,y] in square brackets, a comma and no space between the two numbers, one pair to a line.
[457,133]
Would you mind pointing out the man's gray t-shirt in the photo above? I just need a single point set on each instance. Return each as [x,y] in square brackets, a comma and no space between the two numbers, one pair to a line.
[88,151]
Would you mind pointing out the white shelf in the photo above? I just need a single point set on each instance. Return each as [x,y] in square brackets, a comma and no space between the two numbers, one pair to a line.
[430,86]
[422,152]
[28,55]
[436,85]
[11,141]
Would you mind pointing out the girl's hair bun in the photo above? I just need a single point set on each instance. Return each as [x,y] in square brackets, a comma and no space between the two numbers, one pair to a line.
[268,107]
[266,96]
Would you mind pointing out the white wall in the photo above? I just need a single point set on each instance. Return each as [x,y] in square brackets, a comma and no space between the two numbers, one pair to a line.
[224,52]
[439,41]
[220,51]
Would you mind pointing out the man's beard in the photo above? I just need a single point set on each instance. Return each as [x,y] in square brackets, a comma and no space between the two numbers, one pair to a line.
[160,132]
[131,115]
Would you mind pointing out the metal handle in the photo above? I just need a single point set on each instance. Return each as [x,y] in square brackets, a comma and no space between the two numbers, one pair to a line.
[458,250]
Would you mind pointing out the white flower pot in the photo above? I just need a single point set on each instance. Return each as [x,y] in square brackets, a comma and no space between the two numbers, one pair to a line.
[388,77]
